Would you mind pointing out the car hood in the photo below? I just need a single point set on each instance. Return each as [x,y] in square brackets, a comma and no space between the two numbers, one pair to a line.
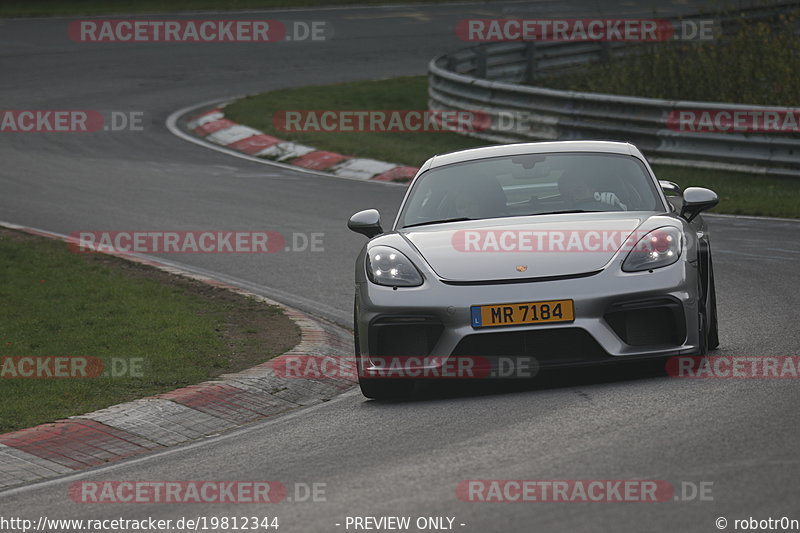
[523,247]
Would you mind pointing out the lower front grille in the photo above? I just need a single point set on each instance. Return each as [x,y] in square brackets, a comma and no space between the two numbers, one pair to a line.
[412,336]
[561,345]
[648,323]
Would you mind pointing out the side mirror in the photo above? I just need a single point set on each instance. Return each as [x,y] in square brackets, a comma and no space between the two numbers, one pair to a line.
[366,222]
[696,200]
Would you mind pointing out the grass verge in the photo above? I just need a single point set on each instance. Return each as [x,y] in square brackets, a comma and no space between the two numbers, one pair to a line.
[173,331]
[740,193]
[753,64]
[397,93]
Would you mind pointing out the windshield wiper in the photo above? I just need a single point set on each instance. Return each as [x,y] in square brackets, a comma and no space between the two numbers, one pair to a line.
[565,212]
[458,219]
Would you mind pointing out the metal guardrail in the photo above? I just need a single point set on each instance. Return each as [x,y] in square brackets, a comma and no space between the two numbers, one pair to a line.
[489,78]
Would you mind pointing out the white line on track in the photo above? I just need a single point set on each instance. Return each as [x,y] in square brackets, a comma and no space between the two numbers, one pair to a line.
[124,463]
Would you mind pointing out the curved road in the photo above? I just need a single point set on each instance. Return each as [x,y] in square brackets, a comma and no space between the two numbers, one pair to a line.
[389,458]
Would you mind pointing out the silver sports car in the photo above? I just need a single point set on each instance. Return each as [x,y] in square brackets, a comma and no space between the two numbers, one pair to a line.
[561,253]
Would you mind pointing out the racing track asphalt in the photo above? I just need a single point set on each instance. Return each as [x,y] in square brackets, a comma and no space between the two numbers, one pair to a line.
[388,458]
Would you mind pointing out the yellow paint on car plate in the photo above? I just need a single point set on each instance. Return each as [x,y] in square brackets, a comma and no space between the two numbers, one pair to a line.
[516,314]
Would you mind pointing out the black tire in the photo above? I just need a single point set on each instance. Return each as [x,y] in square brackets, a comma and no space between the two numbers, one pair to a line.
[703,333]
[713,325]
[702,321]
[356,346]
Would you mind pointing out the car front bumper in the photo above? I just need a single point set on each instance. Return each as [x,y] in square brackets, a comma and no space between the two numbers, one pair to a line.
[618,316]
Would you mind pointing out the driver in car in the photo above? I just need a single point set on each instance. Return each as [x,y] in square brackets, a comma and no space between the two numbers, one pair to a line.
[576,191]
[480,198]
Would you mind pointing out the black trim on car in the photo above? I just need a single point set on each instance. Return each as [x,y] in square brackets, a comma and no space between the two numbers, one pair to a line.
[521,280]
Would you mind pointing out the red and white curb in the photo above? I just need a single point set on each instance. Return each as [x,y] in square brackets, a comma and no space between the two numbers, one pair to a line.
[212,126]
[178,416]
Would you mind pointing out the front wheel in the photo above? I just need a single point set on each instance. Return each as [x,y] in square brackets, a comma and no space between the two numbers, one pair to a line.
[711,312]
[702,333]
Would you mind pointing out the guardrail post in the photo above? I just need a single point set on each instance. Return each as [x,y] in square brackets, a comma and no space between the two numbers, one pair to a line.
[605,51]
[480,62]
[530,61]
[452,64]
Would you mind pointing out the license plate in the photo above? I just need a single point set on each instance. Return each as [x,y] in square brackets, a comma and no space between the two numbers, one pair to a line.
[484,316]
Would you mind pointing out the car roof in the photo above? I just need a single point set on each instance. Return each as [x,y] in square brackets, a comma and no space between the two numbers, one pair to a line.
[607,147]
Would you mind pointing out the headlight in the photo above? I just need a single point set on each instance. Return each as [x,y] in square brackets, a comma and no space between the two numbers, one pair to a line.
[387,266]
[658,248]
